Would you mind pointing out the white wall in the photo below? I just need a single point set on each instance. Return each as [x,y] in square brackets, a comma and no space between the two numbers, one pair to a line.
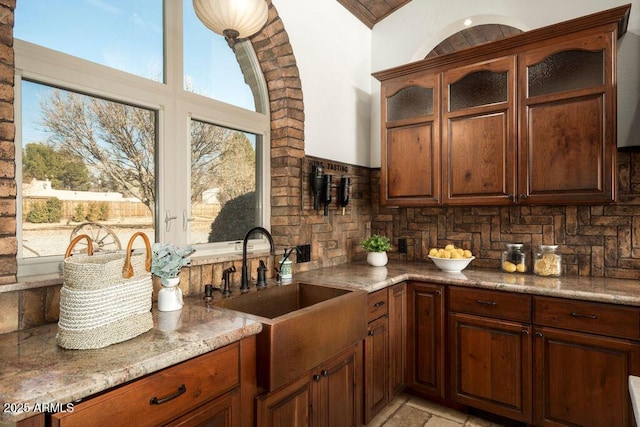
[431,21]
[333,52]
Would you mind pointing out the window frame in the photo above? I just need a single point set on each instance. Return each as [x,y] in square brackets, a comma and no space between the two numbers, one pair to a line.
[175,108]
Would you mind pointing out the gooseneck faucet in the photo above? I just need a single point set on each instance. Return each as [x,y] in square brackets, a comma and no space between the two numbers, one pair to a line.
[244,279]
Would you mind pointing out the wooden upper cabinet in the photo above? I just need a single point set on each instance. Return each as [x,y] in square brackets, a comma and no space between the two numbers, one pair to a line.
[568,105]
[530,119]
[479,138]
[411,141]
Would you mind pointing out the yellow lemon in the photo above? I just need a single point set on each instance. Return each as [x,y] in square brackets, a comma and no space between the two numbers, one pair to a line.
[449,247]
[433,252]
[521,268]
[467,253]
[509,267]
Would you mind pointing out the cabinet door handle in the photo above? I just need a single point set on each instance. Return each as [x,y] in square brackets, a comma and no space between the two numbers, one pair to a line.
[525,332]
[483,302]
[379,304]
[371,333]
[325,373]
[438,293]
[317,378]
[587,316]
[523,196]
[538,334]
[181,390]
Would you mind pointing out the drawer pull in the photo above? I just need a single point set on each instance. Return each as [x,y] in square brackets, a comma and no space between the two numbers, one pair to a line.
[325,373]
[317,378]
[379,304]
[181,390]
[525,332]
[483,302]
[371,333]
[587,316]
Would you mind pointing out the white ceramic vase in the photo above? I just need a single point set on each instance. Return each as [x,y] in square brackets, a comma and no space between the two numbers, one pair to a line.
[170,296]
[377,259]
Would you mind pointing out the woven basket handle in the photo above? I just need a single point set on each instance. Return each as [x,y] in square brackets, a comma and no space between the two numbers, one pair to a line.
[76,240]
[127,269]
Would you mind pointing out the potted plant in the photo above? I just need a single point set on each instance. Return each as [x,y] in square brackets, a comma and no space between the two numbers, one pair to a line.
[166,262]
[377,246]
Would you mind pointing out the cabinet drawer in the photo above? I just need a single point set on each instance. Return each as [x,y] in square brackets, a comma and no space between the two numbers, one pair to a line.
[377,304]
[584,316]
[501,305]
[160,397]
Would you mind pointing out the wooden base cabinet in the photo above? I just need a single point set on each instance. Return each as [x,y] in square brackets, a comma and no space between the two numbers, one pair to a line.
[490,351]
[384,348]
[425,339]
[584,354]
[582,379]
[397,338]
[491,365]
[213,389]
[328,396]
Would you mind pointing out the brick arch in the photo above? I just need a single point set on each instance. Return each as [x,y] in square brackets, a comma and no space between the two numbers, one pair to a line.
[278,64]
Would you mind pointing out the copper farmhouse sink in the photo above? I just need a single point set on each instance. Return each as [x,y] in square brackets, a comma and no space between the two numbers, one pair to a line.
[303,326]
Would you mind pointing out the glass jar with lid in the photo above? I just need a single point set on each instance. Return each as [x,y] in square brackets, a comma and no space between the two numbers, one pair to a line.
[548,262]
[514,259]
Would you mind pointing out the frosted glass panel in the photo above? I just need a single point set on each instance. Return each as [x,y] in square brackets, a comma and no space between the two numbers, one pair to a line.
[412,101]
[568,70]
[476,89]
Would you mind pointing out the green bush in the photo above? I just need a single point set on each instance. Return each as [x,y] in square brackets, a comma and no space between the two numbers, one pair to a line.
[38,213]
[54,209]
[78,213]
[45,212]
[98,211]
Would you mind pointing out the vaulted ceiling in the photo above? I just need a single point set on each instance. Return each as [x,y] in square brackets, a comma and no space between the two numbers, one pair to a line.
[370,12]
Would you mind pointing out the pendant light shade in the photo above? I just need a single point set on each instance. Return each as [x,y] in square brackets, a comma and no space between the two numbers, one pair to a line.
[234,19]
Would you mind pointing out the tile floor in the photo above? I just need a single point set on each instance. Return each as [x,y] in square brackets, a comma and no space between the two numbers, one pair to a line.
[409,411]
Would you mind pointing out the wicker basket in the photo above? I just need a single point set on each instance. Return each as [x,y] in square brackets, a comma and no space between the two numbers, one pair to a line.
[105,297]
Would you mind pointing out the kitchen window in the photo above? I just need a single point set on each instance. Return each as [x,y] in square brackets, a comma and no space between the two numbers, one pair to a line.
[141,120]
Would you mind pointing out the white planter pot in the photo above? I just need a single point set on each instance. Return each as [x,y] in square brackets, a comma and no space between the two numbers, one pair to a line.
[170,296]
[377,259]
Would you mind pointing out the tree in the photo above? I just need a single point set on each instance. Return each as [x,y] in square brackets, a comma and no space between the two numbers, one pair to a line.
[236,174]
[66,171]
[118,140]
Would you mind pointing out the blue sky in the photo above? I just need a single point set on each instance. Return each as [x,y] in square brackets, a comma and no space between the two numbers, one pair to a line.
[127,35]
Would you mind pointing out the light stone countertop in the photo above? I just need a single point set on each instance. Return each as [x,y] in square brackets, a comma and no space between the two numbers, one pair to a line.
[33,369]
[362,276]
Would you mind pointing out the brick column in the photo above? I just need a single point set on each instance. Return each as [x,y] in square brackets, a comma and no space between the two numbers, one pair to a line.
[8,242]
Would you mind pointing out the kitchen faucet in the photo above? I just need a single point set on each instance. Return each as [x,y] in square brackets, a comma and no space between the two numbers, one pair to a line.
[244,279]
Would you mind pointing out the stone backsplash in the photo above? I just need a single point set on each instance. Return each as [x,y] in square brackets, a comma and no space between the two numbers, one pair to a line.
[598,240]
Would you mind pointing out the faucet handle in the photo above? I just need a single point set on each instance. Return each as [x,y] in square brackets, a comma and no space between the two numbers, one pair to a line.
[262,275]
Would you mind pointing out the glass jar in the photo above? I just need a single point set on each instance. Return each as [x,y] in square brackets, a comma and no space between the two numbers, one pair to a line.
[548,262]
[514,259]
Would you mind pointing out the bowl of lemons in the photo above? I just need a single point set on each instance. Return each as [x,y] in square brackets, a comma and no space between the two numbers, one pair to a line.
[451,259]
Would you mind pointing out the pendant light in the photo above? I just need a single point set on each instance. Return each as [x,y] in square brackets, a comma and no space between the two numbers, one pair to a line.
[233,19]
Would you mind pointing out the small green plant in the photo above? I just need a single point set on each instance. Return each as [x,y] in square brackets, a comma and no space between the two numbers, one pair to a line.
[376,243]
[167,259]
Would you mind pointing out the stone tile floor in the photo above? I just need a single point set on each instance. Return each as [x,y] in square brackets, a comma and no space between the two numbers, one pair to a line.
[409,411]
